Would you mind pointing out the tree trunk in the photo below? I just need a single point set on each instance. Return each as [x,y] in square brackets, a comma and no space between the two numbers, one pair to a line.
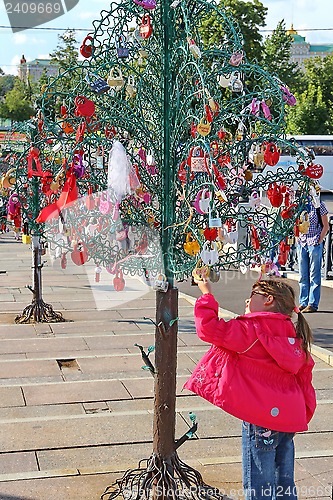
[165,378]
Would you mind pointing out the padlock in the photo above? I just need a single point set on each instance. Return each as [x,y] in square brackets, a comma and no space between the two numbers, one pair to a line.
[79,255]
[224,80]
[161,283]
[84,107]
[254,199]
[197,160]
[122,50]
[115,78]
[202,201]
[98,271]
[314,171]
[271,154]
[97,84]
[26,238]
[130,87]
[209,253]
[236,58]
[194,49]
[105,205]
[236,84]
[201,271]
[304,223]
[288,212]
[118,281]
[145,29]
[191,245]
[275,195]
[203,127]
[214,221]
[87,48]
[100,157]
[284,249]
[214,276]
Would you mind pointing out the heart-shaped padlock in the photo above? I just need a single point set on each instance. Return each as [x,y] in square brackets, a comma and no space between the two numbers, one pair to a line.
[87,46]
[314,171]
[84,107]
[275,195]
[191,245]
[203,127]
[79,255]
[118,281]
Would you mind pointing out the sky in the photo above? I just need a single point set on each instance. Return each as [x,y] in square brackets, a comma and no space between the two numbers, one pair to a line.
[313,15]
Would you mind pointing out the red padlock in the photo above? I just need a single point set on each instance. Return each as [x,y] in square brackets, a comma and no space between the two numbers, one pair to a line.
[254,238]
[314,171]
[288,212]
[79,255]
[271,154]
[84,107]
[63,261]
[87,46]
[118,281]
[275,195]
[210,233]
[145,28]
[283,253]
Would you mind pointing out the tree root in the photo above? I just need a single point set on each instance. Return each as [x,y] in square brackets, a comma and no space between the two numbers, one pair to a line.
[162,479]
[39,312]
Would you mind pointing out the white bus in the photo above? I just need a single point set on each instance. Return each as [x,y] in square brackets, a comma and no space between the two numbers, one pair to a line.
[322,146]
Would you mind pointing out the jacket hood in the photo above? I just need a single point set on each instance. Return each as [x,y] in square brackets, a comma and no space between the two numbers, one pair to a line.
[277,335]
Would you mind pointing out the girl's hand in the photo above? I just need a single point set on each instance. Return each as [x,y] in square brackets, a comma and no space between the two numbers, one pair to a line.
[204,286]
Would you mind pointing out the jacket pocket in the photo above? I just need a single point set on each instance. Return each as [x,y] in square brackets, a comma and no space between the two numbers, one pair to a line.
[265,439]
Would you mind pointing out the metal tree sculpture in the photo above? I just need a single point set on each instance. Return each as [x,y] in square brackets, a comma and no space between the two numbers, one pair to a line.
[200,127]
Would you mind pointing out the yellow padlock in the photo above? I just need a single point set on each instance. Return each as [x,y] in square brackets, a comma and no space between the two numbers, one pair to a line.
[26,239]
[191,245]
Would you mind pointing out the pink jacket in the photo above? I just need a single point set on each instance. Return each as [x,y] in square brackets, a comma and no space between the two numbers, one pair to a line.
[255,370]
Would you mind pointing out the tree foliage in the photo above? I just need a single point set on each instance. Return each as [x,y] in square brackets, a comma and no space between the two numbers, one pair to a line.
[276,57]
[250,17]
[18,103]
[313,113]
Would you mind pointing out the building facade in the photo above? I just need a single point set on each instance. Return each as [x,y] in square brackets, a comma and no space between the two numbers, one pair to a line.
[33,70]
[301,50]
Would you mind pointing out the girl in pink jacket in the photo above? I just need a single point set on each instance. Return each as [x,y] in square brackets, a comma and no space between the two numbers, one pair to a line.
[259,369]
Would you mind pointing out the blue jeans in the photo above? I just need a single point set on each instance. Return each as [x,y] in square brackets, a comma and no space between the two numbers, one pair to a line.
[268,464]
[309,261]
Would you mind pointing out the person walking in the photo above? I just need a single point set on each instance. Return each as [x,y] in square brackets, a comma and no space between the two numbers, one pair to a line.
[259,369]
[310,255]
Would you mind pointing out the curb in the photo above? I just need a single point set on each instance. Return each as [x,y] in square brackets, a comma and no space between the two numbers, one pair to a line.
[320,352]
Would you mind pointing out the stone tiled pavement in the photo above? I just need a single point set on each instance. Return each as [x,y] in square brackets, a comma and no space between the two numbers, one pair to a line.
[76,409]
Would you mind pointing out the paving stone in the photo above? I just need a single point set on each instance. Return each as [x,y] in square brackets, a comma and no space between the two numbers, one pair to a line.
[11,396]
[89,430]
[28,369]
[116,341]
[17,462]
[73,392]
[45,411]
[42,345]
[67,488]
